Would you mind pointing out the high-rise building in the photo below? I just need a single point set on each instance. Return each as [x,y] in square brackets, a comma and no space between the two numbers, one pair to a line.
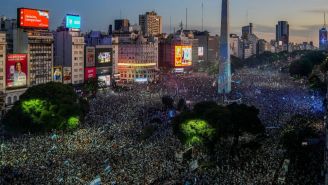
[209,45]
[323,39]
[246,31]
[224,77]
[8,26]
[121,25]
[69,52]
[236,46]
[323,36]
[282,34]
[38,44]
[70,55]
[137,58]
[151,24]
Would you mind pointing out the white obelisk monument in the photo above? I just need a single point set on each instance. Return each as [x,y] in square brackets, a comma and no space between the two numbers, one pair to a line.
[224,77]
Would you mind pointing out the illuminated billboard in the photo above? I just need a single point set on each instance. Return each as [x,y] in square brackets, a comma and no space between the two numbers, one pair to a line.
[90,72]
[31,18]
[90,53]
[16,70]
[183,56]
[58,74]
[200,51]
[67,75]
[103,57]
[73,22]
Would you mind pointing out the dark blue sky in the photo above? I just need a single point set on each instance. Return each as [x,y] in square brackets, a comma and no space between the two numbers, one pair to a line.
[305,16]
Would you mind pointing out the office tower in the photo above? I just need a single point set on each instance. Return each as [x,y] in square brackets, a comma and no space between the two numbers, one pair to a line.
[224,77]
[151,24]
[282,34]
[121,25]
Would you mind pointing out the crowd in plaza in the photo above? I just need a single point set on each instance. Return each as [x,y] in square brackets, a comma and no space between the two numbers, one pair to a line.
[108,146]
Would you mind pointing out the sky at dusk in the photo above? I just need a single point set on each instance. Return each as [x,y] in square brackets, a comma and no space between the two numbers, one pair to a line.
[304,16]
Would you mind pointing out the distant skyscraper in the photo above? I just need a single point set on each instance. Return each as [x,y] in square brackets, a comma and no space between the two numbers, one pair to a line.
[247,30]
[323,36]
[282,34]
[121,25]
[151,23]
[224,78]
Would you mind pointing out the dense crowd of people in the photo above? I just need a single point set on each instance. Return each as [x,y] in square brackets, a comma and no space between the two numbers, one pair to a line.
[109,145]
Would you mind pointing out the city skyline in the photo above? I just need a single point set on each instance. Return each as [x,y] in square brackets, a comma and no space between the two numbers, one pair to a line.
[305,17]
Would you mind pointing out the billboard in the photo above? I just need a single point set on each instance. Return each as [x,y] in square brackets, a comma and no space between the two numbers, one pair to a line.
[31,18]
[200,51]
[90,72]
[67,75]
[105,78]
[73,22]
[183,56]
[104,57]
[16,70]
[90,53]
[58,74]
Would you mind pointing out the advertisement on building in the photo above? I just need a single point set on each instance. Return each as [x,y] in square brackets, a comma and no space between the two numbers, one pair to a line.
[58,74]
[67,75]
[90,53]
[16,70]
[32,18]
[73,22]
[200,51]
[105,78]
[183,56]
[104,57]
[90,72]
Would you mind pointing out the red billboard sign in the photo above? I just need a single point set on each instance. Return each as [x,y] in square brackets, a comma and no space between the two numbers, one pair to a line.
[90,72]
[16,70]
[30,18]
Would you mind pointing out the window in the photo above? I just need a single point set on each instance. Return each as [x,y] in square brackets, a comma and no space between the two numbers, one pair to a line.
[9,100]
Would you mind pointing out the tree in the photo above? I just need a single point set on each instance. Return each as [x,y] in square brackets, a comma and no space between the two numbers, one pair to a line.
[92,85]
[182,105]
[244,119]
[45,107]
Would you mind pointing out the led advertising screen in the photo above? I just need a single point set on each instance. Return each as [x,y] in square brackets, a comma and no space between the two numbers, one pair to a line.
[90,72]
[73,22]
[58,74]
[31,18]
[90,53]
[16,70]
[67,75]
[105,78]
[183,56]
[103,57]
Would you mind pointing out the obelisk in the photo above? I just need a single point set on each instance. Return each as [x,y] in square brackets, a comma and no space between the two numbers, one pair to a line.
[224,77]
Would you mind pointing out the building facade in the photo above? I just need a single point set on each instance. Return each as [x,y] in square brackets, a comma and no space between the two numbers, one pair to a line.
[69,55]
[121,25]
[38,45]
[3,56]
[137,59]
[8,26]
[282,34]
[151,24]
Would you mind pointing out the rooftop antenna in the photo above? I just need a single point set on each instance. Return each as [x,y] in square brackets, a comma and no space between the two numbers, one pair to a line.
[186,18]
[170,25]
[202,15]
[247,17]
[324,18]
